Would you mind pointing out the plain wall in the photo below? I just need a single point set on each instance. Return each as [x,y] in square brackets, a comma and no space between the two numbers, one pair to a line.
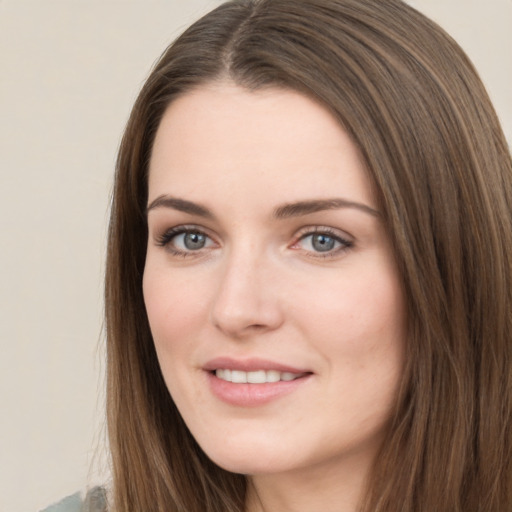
[70,71]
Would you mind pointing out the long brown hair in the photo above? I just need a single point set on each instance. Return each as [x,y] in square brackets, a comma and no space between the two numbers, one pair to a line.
[414,105]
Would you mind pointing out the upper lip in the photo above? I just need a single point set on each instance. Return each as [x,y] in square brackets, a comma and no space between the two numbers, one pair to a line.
[250,365]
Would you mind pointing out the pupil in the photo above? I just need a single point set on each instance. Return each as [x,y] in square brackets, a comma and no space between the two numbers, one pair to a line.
[323,243]
[194,241]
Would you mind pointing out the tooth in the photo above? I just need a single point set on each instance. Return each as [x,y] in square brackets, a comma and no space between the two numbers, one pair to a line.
[238,376]
[273,376]
[223,374]
[257,377]
[254,377]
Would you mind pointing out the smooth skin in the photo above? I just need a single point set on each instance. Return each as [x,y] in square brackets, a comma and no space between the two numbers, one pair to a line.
[265,242]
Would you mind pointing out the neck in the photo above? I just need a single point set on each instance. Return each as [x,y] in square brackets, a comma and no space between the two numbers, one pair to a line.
[329,489]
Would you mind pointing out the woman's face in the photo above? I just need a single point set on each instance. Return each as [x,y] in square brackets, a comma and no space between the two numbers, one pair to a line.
[270,285]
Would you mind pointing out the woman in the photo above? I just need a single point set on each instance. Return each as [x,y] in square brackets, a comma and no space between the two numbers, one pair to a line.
[308,293]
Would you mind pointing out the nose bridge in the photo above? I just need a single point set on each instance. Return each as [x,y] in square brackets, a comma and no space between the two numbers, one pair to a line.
[245,300]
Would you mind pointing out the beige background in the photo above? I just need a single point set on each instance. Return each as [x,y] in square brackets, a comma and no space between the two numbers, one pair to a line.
[70,70]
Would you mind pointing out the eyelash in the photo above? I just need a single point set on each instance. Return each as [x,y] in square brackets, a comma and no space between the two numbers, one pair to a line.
[166,238]
[344,246]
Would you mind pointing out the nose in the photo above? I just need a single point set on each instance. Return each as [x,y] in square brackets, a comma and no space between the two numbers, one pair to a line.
[246,301]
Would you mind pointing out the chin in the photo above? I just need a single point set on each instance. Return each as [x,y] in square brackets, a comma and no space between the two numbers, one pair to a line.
[244,466]
[250,458]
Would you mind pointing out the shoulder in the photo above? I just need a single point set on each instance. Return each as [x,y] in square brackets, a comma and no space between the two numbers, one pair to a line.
[70,504]
[94,501]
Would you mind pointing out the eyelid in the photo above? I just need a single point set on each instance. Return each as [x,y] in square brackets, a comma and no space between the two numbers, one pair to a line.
[165,238]
[321,228]
[346,241]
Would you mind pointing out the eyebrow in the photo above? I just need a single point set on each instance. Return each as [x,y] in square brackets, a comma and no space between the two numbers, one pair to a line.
[285,211]
[317,205]
[181,205]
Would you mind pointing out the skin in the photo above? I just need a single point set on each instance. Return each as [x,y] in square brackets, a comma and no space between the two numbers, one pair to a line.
[263,286]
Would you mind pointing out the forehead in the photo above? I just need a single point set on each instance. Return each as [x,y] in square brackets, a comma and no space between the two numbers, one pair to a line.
[222,137]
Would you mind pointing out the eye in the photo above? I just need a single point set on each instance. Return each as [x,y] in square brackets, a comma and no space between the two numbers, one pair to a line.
[191,241]
[184,240]
[322,242]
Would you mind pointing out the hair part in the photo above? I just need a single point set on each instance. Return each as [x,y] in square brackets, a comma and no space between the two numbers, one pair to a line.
[413,104]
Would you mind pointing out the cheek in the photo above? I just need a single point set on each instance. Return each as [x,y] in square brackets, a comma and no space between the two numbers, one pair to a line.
[175,313]
[359,329]
[174,307]
[370,306]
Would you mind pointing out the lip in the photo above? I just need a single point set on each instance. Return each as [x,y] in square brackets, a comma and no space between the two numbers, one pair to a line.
[250,365]
[252,395]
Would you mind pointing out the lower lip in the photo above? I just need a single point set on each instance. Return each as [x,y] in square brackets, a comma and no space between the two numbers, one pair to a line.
[252,395]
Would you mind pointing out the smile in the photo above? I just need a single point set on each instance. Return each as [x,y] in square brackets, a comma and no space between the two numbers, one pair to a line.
[253,382]
[255,377]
